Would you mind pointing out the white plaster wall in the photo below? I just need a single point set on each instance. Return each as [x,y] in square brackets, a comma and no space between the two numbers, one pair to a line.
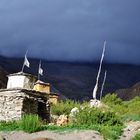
[16,81]
[20,81]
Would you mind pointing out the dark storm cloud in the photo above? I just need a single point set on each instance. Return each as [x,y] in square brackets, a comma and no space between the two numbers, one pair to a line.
[71,30]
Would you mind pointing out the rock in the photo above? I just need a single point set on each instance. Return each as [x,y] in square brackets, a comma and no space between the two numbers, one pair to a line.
[62,120]
[74,111]
[54,119]
[50,124]
[95,103]
[41,139]
[2,138]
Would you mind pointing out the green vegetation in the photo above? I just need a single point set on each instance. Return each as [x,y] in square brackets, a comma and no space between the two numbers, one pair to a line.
[108,123]
[91,116]
[127,110]
[112,99]
[111,132]
[108,120]
[136,137]
[9,126]
[30,123]
[108,132]
[64,107]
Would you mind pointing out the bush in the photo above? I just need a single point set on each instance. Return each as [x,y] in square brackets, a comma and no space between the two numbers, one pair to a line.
[131,117]
[111,132]
[133,105]
[64,107]
[30,123]
[112,99]
[136,137]
[9,126]
[93,116]
[128,110]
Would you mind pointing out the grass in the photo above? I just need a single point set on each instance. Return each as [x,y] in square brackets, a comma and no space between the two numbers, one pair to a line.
[90,116]
[30,123]
[64,107]
[127,110]
[136,137]
[9,126]
[111,132]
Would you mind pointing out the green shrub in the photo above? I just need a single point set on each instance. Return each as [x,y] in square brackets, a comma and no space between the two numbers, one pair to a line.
[64,107]
[127,110]
[9,126]
[30,123]
[133,105]
[92,116]
[111,132]
[136,137]
[112,99]
[130,117]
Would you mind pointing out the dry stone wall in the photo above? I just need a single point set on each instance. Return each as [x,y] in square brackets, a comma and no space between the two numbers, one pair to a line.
[10,105]
[15,103]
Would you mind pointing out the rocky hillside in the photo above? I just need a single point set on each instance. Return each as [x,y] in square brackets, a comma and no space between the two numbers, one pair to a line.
[77,80]
[129,93]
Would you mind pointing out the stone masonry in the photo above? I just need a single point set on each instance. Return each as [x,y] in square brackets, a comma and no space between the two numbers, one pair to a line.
[14,103]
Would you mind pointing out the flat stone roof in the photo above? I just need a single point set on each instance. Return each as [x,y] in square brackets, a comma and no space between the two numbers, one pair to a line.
[29,91]
[22,73]
[42,83]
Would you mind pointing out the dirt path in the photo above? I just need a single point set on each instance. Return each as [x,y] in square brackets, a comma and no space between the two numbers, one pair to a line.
[130,130]
[73,135]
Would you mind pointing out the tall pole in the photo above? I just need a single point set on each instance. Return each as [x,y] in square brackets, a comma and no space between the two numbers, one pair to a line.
[101,93]
[99,71]
[24,62]
[39,70]
[22,67]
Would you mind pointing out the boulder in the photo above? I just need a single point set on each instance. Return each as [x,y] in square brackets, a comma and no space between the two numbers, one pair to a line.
[41,139]
[2,138]
[74,111]
[95,103]
[62,120]
[54,118]
[98,104]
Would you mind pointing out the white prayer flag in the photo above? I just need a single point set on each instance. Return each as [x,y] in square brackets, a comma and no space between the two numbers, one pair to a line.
[26,62]
[40,70]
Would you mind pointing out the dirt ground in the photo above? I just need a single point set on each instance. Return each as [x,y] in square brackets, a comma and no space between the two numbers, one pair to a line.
[73,135]
[129,132]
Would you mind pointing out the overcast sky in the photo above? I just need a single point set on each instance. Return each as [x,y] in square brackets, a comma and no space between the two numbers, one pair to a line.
[71,29]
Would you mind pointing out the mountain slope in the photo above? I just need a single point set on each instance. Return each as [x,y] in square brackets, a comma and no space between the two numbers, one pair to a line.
[77,80]
[129,93]
[3,78]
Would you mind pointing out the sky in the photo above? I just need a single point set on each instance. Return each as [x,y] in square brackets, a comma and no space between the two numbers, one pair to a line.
[71,30]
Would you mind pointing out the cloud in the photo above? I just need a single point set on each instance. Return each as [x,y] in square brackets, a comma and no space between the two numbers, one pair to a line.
[71,30]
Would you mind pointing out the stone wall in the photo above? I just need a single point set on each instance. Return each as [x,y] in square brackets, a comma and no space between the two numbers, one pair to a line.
[16,102]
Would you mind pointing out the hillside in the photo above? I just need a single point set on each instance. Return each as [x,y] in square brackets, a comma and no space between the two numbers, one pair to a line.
[3,78]
[76,80]
[129,93]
